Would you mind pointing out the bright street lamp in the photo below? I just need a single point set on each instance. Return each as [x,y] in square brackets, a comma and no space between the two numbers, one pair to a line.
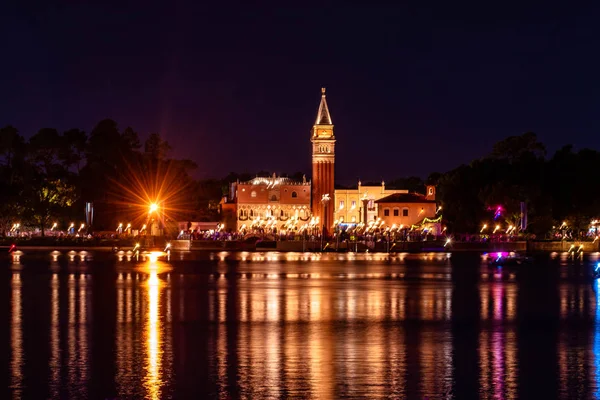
[153,207]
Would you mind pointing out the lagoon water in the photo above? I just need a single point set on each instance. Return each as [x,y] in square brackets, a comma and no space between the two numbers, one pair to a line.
[275,325]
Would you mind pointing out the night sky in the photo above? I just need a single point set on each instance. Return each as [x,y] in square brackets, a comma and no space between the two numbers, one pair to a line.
[411,89]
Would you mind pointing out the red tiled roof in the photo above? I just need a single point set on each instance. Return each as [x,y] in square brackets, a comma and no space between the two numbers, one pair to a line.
[404,198]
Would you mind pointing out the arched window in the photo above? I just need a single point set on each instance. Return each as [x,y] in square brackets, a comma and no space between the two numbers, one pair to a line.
[430,190]
[253,193]
[294,194]
[252,213]
[273,198]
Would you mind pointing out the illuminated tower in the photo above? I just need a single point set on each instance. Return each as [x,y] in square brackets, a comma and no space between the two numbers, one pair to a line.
[323,162]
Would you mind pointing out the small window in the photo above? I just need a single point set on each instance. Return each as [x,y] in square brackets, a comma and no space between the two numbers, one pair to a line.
[253,193]
[386,212]
[396,212]
[252,213]
[353,204]
[341,204]
[294,195]
[405,212]
[353,219]
[430,190]
[273,198]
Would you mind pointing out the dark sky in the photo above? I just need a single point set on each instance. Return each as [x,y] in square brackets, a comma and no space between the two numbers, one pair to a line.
[412,89]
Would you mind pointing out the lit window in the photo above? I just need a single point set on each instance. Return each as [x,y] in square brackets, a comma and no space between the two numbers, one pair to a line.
[253,193]
[353,219]
[405,212]
[341,204]
[396,212]
[430,190]
[294,195]
[353,204]
[386,212]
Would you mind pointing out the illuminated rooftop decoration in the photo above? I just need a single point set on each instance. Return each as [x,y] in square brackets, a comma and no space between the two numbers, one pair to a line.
[323,116]
[274,181]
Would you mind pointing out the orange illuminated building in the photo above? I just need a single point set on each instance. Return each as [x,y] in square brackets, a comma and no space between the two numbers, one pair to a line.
[323,166]
[278,204]
[271,204]
[409,209]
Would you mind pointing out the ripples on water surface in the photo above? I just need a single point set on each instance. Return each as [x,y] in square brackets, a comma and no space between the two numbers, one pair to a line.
[272,325]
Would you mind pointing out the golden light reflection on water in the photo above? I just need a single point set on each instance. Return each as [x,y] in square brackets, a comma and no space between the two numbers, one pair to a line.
[54,363]
[152,381]
[16,337]
[307,333]
[156,374]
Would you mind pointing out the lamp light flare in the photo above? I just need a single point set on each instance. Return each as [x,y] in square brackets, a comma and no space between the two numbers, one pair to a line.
[153,207]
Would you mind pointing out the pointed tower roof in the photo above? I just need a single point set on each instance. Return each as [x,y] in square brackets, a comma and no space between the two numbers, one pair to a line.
[323,117]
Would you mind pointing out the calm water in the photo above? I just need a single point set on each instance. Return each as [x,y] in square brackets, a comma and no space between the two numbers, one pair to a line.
[272,325]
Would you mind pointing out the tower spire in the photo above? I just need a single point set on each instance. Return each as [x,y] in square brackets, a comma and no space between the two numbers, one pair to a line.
[323,116]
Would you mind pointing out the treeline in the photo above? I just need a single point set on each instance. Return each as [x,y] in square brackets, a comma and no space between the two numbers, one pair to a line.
[561,192]
[50,177]
[559,189]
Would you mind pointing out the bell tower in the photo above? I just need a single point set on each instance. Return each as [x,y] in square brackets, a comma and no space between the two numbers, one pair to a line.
[323,162]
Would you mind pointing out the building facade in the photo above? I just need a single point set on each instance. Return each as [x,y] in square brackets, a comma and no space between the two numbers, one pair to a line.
[360,204]
[271,204]
[323,166]
[410,210]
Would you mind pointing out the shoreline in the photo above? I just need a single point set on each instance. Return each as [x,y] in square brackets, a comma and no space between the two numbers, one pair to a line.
[315,247]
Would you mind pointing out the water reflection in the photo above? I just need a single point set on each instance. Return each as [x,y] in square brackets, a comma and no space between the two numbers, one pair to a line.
[290,328]
[152,380]
[55,354]
[596,338]
[16,342]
